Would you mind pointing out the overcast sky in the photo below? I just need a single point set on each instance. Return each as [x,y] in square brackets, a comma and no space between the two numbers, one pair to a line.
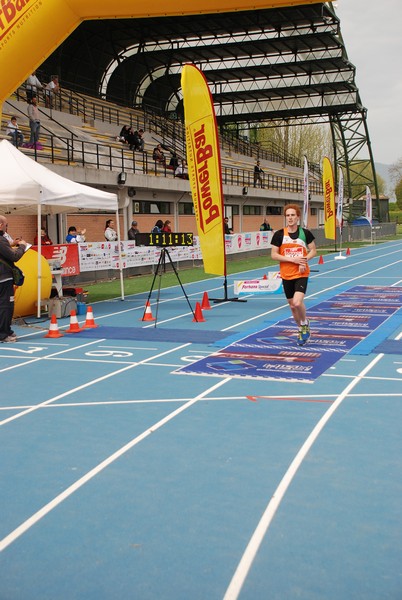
[372,33]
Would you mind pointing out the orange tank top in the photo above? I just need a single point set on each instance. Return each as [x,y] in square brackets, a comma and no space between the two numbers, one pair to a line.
[293,248]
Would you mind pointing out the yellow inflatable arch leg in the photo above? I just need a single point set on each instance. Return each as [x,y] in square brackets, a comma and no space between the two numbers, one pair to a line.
[25,297]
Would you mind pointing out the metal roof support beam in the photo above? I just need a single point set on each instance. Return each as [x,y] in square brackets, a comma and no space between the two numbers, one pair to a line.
[351,141]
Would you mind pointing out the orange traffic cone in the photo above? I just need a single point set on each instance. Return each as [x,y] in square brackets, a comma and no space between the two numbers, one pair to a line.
[321,261]
[348,252]
[205,305]
[74,326]
[53,329]
[90,321]
[147,316]
[198,316]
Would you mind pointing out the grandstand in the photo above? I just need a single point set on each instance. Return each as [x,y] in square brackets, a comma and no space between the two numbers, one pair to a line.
[78,137]
[270,66]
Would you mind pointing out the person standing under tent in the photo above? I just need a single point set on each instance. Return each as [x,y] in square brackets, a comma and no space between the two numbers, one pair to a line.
[110,233]
[8,256]
[293,246]
[44,238]
[75,236]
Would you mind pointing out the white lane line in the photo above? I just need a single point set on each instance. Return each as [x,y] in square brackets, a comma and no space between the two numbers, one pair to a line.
[302,398]
[88,384]
[252,548]
[38,358]
[21,529]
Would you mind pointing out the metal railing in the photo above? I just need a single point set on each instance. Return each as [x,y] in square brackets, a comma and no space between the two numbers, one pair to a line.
[171,131]
[91,155]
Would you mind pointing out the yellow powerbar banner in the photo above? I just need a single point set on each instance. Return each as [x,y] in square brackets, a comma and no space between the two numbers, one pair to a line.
[329,198]
[204,168]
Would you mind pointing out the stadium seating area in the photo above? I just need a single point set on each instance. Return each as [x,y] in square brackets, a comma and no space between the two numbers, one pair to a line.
[81,131]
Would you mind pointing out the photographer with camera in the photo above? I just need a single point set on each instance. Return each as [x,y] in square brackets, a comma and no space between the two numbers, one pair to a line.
[8,256]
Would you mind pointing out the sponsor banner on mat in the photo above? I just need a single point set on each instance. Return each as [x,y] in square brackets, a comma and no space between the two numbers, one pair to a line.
[272,284]
[273,353]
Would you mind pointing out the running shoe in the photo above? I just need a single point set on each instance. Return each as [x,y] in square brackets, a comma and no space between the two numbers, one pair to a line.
[304,334]
[9,338]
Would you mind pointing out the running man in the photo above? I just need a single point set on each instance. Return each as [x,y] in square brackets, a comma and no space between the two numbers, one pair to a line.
[293,247]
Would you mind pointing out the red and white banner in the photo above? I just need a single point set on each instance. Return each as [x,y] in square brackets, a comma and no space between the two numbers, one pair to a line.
[65,255]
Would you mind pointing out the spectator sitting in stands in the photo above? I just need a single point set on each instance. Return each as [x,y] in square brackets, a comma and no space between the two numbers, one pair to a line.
[135,140]
[139,140]
[181,171]
[52,88]
[14,132]
[123,135]
[131,138]
[158,155]
[174,162]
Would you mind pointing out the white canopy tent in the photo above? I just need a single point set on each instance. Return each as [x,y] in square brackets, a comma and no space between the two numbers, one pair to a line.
[27,187]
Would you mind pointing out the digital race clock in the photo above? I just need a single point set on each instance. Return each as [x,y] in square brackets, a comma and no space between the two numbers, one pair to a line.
[164,239]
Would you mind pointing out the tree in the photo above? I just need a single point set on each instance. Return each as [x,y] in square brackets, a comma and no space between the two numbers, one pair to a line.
[313,141]
[398,194]
[395,171]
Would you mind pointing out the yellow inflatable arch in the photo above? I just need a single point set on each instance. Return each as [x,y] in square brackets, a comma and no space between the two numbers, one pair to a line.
[30,30]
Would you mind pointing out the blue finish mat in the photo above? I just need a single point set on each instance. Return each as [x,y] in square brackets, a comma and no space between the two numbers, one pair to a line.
[338,325]
[389,347]
[154,334]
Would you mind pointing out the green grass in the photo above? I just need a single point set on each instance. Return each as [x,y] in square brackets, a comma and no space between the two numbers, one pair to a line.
[142,283]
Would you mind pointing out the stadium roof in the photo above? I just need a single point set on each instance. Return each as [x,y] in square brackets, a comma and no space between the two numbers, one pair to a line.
[270,67]
[262,65]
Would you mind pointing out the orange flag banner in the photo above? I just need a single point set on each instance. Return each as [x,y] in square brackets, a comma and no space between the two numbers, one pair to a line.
[204,168]
[329,199]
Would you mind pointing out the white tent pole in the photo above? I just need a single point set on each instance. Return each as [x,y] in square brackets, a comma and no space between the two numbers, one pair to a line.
[39,258]
[120,258]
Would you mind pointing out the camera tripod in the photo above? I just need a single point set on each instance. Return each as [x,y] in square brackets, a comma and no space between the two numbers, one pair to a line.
[160,269]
